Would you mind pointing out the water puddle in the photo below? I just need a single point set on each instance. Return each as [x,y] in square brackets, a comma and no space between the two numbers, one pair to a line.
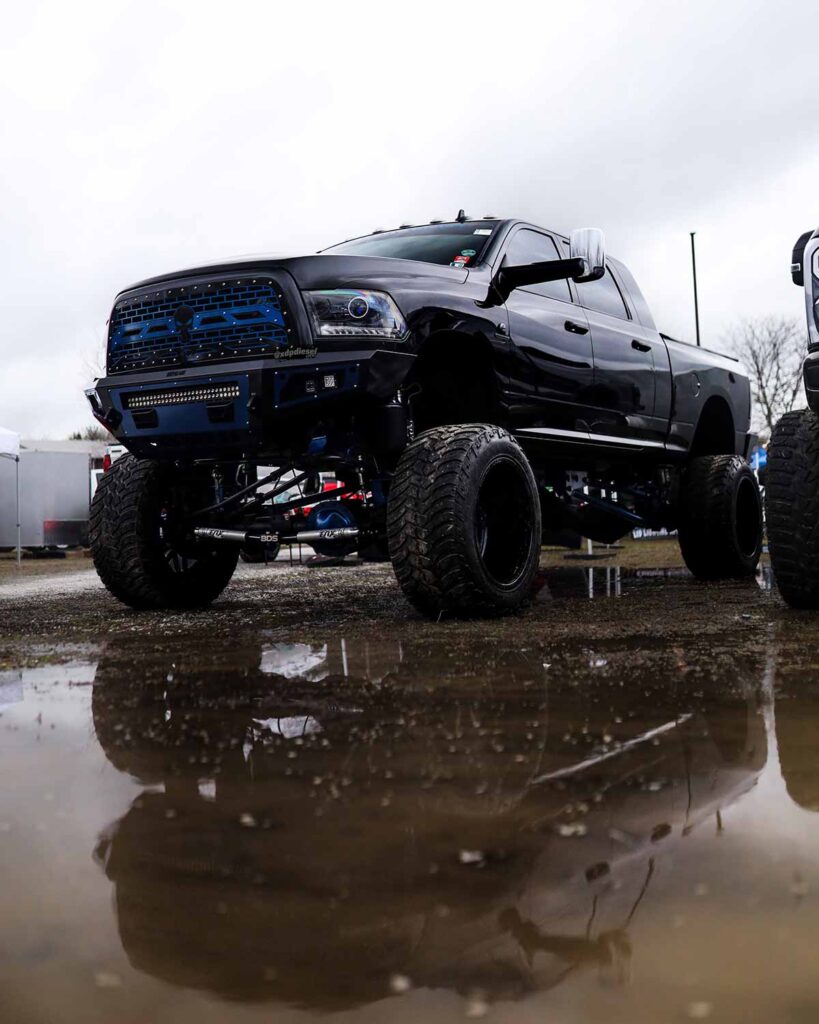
[392,829]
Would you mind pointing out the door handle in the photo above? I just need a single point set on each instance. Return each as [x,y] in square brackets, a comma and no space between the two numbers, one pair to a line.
[575,328]
[640,346]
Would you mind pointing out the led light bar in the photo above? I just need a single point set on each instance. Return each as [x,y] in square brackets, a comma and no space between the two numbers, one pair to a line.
[180,396]
[340,331]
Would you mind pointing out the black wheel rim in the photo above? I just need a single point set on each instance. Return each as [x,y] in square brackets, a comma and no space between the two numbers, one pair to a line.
[504,522]
[176,561]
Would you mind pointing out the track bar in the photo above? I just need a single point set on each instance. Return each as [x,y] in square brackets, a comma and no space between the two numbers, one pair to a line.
[223,536]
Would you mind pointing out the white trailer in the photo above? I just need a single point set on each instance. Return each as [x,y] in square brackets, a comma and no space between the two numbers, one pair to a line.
[55,479]
[10,455]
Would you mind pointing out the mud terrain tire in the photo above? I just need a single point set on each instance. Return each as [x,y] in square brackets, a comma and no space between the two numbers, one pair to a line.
[130,555]
[792,507]
[720,520]
[463,522]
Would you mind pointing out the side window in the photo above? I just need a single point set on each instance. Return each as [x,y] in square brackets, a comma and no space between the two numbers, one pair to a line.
[603,295]
[531,247]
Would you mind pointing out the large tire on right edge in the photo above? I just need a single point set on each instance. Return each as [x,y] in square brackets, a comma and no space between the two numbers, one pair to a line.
[792,507]
[463,522]
[720,518]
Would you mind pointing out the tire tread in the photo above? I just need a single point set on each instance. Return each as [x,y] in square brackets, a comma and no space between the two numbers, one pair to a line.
[792,507]
[706,528]
[124,549]
[426,528]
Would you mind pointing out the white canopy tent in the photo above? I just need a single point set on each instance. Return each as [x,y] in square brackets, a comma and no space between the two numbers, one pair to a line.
[10,449]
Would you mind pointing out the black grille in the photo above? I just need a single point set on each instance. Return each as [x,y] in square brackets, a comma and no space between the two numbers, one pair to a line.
[197,323]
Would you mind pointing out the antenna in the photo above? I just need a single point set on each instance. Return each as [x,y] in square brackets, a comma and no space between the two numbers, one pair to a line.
[461,217]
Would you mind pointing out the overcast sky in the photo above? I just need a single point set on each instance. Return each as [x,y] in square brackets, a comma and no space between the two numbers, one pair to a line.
[144,137]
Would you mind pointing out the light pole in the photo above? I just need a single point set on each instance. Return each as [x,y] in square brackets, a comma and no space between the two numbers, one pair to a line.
[696,301]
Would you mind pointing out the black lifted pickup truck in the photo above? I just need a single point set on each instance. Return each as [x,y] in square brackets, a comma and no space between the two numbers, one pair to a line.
[471,385]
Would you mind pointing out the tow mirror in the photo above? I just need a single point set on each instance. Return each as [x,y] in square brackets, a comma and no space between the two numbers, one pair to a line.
[797,259]
[589,245]
[586,262]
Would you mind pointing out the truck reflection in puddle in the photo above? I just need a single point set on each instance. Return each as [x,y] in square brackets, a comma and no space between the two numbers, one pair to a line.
[320,822]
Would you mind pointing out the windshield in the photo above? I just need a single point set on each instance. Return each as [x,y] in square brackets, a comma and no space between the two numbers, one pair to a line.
[454,245]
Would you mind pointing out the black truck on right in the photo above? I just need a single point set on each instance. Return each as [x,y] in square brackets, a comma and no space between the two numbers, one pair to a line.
[792,485]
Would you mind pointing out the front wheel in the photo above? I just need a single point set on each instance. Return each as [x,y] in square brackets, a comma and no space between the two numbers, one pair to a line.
[720,518]
[463,522]
[792,506]
[132,546]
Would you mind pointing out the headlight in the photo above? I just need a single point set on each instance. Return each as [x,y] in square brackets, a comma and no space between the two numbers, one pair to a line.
[350,313]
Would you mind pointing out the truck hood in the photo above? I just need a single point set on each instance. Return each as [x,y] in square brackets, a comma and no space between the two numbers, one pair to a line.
[318,271]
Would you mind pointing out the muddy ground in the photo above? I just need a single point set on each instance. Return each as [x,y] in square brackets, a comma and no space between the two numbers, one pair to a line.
[45,604]
[308,801]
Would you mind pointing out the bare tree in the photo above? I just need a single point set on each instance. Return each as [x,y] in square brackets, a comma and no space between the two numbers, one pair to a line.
[94,360]
[772,349]
[93,433]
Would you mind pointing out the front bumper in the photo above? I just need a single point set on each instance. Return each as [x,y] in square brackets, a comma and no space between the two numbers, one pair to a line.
[242,407]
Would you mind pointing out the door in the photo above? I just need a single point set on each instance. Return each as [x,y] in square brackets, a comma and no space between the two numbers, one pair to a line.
[624,371]
[551,367]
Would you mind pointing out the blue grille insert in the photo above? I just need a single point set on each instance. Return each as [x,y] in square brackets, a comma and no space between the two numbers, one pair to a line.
[197,323]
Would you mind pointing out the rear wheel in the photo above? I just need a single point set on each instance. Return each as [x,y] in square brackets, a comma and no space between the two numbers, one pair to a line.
[463,522]
[792,506]
[375,551]
[720,519]
[134,551]
[259,553]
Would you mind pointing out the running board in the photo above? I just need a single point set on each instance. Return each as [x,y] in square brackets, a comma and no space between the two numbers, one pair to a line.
[623,748]
[612,442]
